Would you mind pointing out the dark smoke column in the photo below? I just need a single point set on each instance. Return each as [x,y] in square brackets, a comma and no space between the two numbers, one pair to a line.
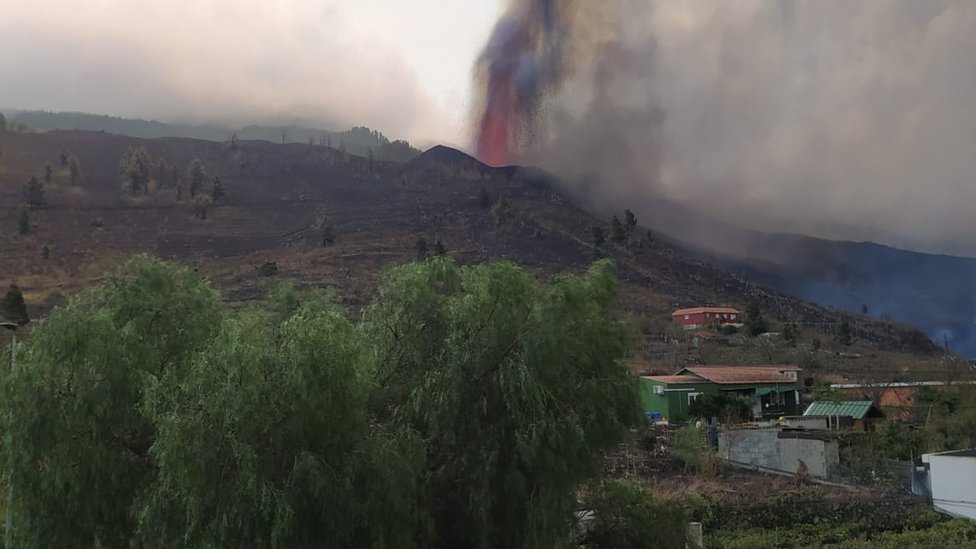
[522,61]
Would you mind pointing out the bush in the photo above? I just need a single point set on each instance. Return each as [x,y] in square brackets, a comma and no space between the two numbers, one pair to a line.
[689,447]
[625,516]
[268,268]
[728,408]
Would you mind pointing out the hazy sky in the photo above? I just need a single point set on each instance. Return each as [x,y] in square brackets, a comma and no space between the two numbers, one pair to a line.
[401,66]
[844,118]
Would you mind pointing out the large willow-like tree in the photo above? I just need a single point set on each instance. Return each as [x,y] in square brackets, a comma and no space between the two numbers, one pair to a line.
[77,446]
[516,386]
[464,409]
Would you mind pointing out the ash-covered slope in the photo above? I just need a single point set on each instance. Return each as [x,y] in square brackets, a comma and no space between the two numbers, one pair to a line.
[279,198]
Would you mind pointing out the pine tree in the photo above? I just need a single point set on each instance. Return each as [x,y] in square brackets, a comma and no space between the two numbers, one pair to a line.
[33,193]
[844,334]
[136,167]
[23,219]
[599,237]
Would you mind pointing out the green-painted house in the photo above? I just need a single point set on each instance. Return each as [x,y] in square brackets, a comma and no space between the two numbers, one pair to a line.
[774,390]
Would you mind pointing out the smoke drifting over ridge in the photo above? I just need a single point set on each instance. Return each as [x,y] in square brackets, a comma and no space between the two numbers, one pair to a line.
[843,120]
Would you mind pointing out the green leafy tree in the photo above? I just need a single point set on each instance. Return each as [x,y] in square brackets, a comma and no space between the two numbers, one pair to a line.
[267,443]
[78,436]
[23,219]
[626,516]
[136,167]
[63,159]
[33,193]
[727,408]
[196,177]
[13,307]
[844,333]
[753,321]
[617,232]
[518,389]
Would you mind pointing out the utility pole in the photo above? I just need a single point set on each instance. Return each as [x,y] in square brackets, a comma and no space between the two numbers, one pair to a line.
[8,518]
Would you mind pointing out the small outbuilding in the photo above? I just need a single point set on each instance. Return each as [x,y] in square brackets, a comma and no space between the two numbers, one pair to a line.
[861,412]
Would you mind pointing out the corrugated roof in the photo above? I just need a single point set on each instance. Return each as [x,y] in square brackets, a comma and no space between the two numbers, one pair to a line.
[743,375]
[857,409]
[673,380]
[774,367]
[696,310]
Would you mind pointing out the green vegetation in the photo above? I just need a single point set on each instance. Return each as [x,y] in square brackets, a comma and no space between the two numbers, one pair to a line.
[626,516]
[464,409]
[12,307]
[690,448]
[729,408]
[753,321]
[844,334]
[268,268]
[851,535]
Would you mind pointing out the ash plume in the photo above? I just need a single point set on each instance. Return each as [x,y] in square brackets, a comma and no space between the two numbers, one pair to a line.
[531,52]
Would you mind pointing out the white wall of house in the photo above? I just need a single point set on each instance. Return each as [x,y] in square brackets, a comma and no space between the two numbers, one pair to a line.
[952,476]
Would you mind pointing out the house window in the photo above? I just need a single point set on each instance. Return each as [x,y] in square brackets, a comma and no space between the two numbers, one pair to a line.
[693,397]
[687,317]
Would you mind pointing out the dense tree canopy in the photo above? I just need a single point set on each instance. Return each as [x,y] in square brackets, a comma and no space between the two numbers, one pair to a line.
[464,409]
[514,384]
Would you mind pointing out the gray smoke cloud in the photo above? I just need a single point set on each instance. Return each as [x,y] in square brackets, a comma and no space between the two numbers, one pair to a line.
[212,61]
[851,120]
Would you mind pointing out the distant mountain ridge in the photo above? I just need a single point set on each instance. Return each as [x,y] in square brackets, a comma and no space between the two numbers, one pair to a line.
[358,140]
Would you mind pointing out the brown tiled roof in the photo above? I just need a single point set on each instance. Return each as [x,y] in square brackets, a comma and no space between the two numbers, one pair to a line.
[696,310]
[738,375]
[675,379]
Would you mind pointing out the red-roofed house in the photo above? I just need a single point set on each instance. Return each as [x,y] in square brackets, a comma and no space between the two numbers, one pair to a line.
[773,389]
[696,317]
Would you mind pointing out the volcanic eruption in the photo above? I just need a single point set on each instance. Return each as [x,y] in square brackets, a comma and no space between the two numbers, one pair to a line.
[522,62]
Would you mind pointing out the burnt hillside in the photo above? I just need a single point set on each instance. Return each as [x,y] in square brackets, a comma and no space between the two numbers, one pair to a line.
[379,212]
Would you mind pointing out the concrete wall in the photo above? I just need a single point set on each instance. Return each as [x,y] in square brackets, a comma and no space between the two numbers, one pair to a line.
[764,448]
[953,482]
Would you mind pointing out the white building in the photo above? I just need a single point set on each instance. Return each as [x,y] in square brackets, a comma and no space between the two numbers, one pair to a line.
[952,482]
